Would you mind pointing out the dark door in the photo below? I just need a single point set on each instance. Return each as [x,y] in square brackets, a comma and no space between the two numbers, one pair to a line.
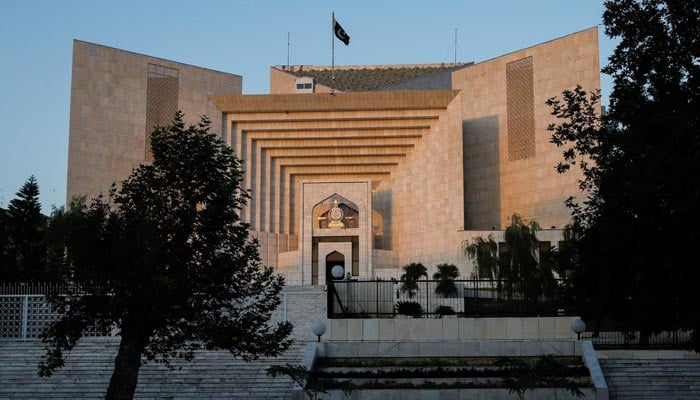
[333,259]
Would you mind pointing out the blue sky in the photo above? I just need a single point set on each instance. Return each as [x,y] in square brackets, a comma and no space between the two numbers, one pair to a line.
[241,37]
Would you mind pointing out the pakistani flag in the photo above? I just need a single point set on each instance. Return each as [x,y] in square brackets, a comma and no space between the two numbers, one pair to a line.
[340,32]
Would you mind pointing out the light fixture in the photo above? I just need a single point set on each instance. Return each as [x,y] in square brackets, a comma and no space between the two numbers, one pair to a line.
[578,326]
[338,271]
[318,328]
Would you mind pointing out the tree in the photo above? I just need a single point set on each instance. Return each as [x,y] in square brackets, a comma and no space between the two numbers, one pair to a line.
[169,262]
[6,263]
[446,275]
[483,252]
[58,224]
[519,267]
[412,272]
[637,220]
[25,248]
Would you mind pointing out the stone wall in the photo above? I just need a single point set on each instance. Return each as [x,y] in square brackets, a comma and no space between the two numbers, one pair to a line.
[448,329]
[109,91]
[427,192]
[499,179]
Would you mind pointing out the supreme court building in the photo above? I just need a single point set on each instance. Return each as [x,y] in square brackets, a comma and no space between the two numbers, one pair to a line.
[400,164]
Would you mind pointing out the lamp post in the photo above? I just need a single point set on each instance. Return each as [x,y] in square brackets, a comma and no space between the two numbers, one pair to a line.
[318,328]
[578,326]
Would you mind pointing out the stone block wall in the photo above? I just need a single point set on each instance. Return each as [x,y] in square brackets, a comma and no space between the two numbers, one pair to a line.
[450,329]
[427,190]
[500,180]
[108,131]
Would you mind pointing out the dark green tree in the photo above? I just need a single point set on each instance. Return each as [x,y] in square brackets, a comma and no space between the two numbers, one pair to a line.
[446,275]
[483,252]
[56,232]
[519,267]
[169,263]
[6,262]
[638,214]
[412,273]
[25,247]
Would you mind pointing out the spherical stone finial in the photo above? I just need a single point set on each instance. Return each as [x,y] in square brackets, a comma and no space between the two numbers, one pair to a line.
[337,271]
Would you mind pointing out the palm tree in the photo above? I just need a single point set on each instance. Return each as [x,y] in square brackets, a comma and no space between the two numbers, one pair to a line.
[446,275]
[412,272]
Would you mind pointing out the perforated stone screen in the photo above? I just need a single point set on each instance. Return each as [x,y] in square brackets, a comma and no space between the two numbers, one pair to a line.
[161,99]
[520,109]
[10,316]
[36,312]
[39,316]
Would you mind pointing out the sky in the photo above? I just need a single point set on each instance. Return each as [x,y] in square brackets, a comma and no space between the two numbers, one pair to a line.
[244,38]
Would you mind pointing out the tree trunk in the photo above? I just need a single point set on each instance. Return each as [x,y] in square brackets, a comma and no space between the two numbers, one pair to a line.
[644,338]
[122,385]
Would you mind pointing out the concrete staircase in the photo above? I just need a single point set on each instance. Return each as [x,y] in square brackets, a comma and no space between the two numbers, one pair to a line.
[646,379]
[212,375]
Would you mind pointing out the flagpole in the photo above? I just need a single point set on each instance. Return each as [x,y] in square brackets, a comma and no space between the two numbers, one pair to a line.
[332,52]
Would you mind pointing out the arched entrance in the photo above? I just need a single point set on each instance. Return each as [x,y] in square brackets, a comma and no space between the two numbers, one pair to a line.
[333,259]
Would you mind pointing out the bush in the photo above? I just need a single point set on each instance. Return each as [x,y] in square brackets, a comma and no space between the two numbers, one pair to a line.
[444,310]
[411,308]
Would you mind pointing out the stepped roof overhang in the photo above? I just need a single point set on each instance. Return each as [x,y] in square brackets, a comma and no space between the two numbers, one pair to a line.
[354,101]
[361,78]
[291,138]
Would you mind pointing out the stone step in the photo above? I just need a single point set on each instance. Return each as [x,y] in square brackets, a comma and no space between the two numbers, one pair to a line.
[650,362]
[675,379]
[627,372]
[212,375]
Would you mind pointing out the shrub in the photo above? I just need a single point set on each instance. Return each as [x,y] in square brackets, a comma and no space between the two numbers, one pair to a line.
[444,310]
[411,308]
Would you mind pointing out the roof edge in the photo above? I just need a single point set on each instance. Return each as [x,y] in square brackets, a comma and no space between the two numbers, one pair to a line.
[154,57]
[301,67]
[339,101]
[538,44]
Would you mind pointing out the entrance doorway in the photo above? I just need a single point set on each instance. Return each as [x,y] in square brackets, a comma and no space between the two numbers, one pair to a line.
[333,259]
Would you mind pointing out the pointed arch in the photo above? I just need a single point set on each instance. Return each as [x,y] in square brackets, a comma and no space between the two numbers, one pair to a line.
[337,212]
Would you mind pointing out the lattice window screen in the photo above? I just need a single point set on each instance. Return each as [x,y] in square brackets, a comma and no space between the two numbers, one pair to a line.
[161,99]
[39,316]
[521,109]
[10,317]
